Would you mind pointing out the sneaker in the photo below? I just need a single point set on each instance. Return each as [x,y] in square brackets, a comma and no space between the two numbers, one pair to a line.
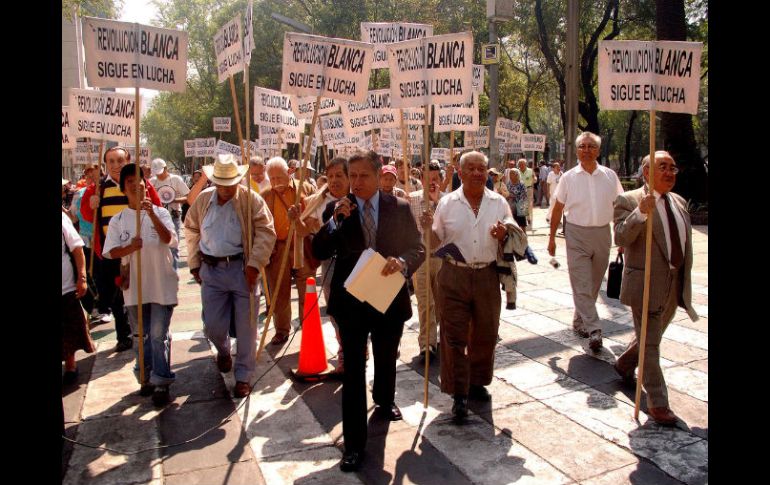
[580,331]
[160,396]
[595,340]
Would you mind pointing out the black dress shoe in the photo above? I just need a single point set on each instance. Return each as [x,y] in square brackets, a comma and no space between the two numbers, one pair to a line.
[392,412]
[460,409]
[479,393]
[351,461]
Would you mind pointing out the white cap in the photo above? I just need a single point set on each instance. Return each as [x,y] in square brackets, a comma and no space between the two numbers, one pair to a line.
[157,166]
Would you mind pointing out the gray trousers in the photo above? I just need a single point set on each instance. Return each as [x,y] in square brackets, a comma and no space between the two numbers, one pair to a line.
[657,322]
[588,255]
[224,290]
[428,330]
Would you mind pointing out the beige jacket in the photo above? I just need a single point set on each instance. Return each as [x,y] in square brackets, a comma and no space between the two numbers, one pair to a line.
[263,232]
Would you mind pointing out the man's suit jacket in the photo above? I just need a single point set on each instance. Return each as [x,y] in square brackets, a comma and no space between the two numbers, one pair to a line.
[397,236]
[631,233]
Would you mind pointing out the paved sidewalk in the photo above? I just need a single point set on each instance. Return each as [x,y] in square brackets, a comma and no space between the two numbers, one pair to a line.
[558,413]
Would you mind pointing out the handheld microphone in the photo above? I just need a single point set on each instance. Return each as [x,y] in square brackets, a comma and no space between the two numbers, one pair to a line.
[341,217]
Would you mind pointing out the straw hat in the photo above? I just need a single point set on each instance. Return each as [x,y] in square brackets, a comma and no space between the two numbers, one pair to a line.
[225,171]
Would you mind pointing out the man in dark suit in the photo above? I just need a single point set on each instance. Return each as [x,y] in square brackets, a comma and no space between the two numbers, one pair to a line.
[670,266]
[372,219]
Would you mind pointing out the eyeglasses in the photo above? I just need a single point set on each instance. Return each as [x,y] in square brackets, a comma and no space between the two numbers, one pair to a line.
[586,147]
[668,168]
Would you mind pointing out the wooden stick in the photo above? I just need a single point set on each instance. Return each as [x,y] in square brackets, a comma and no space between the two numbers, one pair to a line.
[247,158]
[140,197]
[407,165]
[96,192]
[237,113]
[647,259]
[426,237]
[299,257]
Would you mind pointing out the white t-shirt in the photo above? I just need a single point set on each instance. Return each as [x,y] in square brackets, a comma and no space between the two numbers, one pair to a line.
[588,198]
[72,239]
[175,182]
[160,282]
[553,181]
[454,222]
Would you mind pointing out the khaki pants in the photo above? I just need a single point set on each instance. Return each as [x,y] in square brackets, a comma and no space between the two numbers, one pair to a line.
[470,317]
[529,200]
[588,255]
[428,329]
[657,322]
[282,312]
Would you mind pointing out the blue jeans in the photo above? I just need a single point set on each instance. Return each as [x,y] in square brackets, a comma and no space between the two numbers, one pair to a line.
[157,342]
[175,251]
[224,290]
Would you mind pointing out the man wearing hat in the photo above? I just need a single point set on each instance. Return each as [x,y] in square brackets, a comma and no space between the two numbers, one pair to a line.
[222,262]
[173,193]
[497,182]
[388,180]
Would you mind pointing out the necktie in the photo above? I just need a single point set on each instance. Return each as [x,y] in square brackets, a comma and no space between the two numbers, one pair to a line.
[673,230]
[370,232]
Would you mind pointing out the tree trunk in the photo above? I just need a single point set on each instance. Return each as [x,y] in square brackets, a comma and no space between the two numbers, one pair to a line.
[676,128]
[627,149]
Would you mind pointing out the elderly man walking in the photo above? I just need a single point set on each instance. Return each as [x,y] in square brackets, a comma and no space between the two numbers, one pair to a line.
[173,193]
[585,194]
[222,262]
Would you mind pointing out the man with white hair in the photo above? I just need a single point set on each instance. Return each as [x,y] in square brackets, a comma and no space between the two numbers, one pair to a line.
[173,193]
[470,225]
[280,199]
[257,176]
[586,194]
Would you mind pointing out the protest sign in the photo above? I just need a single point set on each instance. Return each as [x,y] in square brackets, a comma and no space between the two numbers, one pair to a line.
[414,136]
[649,75]
[383,33]
[67,141]
[414,116]
[145,154]
[82,156]
[104,115]
[224,147]
[508,130]
[333,129]
[189,148]
[229,49]
[431,70]
[532,143]
[222,123]
[248,33]
[477,83]
[439,153]
[385,135]
[271,108]
[326,67]
[384,148]
[374,112]
[460,117]
[127,55]
[477,139]
[303,106]
[205,147]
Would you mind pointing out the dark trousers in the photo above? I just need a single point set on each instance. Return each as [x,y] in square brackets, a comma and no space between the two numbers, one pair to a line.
[111,296]
[470,317]
[386,335]
[88,301]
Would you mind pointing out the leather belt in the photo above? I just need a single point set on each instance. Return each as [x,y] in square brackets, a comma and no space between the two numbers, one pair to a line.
[466,265]
[214,260]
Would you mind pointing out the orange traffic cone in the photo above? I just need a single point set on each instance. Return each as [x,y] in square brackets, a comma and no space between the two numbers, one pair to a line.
[312,351]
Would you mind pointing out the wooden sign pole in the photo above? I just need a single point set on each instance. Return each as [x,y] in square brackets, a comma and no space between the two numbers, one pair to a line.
[407,165]
[426,237]
[138,282]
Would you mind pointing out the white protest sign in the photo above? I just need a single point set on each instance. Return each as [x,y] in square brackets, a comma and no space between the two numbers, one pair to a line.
[460,117]
[326,67]
[205,147]
[382,33]
[248,33]
[510,147]
[508,130]
[414,116]
[303,106]
[271,108]
[222,123]
[478,78]
[431,70]
[414,136]
[532,143]
[144,154]
[439,153]
[67,141]
[477,139]
[333,129]
[104,115]
[385,135]
[269,138]
[229,49]
[224,147]
[189,148]
[82,156]
[649,75]
[367,142]
[352,142]
[127,55]
[384,148]
[313,148]
[374,112]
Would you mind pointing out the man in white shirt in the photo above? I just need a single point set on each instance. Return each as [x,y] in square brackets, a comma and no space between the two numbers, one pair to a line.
[585,194]
[542,188]
[471,221]
[171,199]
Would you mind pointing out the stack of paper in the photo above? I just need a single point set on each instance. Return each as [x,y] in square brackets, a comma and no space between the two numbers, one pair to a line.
[368,285]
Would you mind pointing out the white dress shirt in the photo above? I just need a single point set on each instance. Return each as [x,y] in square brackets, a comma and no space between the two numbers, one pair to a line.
[660,205]
[588,198]
[455,222]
